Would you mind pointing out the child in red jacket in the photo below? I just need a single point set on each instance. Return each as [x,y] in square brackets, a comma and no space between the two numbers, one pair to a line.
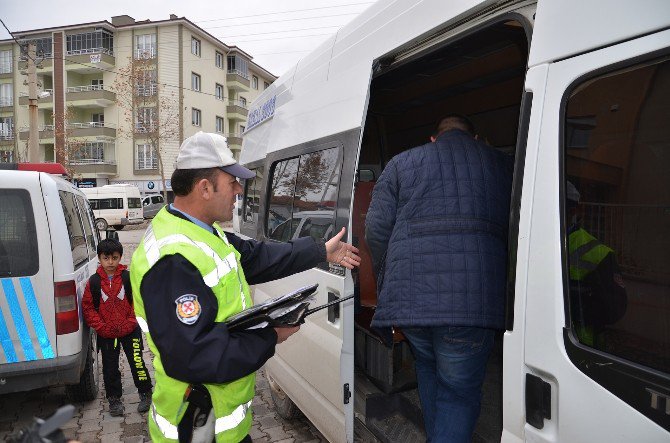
[110,312]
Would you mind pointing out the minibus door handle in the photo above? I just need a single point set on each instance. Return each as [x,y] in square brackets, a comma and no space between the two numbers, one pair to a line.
[538,401]
[334,310]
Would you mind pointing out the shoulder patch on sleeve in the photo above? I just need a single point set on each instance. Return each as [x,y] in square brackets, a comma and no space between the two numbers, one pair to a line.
[188,309]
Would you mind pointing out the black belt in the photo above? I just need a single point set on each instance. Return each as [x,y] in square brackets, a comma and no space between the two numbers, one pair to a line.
[199,405]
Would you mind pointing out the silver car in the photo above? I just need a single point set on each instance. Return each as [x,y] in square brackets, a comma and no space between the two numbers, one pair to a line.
[152,204]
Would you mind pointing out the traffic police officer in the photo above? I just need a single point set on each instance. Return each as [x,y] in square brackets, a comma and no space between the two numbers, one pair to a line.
[190,276]
[597,290]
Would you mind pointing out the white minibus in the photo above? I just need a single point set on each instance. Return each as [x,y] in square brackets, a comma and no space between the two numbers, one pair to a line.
[115,205]
[575,91]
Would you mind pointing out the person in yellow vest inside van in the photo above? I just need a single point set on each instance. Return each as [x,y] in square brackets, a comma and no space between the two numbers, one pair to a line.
[190,276]
[597,290]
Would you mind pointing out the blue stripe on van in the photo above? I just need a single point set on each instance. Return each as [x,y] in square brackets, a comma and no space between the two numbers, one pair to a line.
[6,342]
[36,317]
[17,316]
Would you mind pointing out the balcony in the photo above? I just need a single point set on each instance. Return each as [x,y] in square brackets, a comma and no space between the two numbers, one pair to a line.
[237,80]
[90,96]
[91,129]
[44,101]
[90,60]
[6,138]
[46,134]
[94,166]
[43,64]
[6,104]
[237,110]
[234,140]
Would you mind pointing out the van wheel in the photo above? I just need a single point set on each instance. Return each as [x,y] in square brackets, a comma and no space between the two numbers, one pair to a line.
[101,224]
[87,388]
[119,227]
[283,404]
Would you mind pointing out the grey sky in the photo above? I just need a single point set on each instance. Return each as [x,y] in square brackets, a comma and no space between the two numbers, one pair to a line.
[276,33]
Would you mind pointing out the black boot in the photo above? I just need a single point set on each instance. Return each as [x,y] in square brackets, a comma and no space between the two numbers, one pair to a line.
[145,402]
[116,408]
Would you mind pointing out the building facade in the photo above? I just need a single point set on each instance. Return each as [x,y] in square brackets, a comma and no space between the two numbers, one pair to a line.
[117,98]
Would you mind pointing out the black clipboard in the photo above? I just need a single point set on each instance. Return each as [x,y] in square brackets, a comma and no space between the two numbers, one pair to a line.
[282,311]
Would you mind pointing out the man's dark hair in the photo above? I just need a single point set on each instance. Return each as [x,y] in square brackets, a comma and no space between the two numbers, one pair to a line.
[184,179]
[456,121]
[109,246]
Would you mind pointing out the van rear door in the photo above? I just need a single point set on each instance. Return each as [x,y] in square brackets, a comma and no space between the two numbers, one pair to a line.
[27,320]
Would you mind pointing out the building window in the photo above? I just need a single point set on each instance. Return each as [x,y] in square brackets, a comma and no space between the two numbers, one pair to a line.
[219,124]
[89,153]
[43,47]
[145,46]
[196,117]
[266,85]
[195,46]
[6,156]
[238,65]
[6,61]
[6,94]
[145,157]
[243,102]
[218,91]
[100,41]
[218,60]
[147,83]
[145,120]
[195,81]
[254,82]
[242,129]
[6,128]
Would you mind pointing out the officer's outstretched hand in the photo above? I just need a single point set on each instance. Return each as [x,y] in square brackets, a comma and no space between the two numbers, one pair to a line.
[342,253]
[285,332]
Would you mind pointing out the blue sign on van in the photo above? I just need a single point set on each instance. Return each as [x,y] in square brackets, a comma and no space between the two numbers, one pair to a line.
[262,113]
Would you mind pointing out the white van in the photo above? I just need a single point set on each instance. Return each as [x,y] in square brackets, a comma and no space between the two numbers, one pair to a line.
[574,90]
[47,253]
[115,205]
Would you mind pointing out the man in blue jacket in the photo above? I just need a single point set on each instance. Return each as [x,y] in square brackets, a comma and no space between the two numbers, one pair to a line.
[437,232]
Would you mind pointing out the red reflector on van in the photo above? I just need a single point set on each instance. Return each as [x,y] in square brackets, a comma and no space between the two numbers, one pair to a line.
[65,301]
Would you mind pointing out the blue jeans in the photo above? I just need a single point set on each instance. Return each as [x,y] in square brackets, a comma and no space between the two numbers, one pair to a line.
[450,368]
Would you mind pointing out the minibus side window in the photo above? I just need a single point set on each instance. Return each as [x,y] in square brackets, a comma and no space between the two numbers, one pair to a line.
[281,196]
[252,197]
[18,237]
[75,229]
[304,194]
[617,213]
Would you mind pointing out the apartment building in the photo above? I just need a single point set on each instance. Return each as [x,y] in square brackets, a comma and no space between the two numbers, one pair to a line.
[190,81]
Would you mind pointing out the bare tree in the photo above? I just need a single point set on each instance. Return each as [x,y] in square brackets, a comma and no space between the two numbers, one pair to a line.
[150,111]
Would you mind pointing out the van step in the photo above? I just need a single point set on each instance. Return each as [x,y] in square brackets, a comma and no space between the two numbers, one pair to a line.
[396,428]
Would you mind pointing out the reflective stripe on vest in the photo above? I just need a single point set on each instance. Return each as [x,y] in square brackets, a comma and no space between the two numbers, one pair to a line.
[233,420]
[143,324]
[586,253]
[223,424]
[167,429]
[223,266]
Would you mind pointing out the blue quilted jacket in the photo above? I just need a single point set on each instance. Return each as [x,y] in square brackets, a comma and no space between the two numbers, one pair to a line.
[437,231]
